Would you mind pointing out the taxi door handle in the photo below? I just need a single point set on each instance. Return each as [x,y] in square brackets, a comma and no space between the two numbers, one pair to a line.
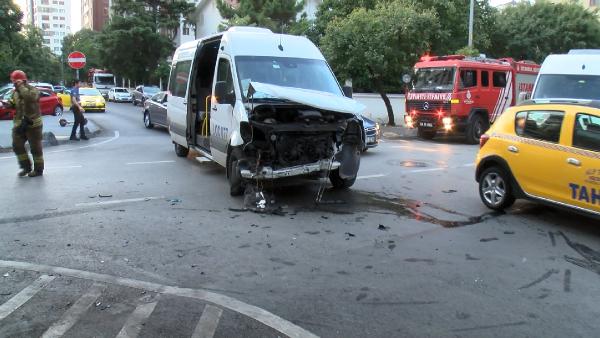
[574,161]
[513,149]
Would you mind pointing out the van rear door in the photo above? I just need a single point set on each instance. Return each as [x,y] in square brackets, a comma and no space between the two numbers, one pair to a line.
[177,103]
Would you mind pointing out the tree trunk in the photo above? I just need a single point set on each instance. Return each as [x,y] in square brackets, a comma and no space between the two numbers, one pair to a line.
[386,100]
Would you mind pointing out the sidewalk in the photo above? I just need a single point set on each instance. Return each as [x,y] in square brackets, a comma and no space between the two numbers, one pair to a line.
[54,134]
[398,132]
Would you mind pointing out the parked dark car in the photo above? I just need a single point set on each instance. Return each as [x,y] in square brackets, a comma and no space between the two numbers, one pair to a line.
[155,110]
[143,93]
[371,133]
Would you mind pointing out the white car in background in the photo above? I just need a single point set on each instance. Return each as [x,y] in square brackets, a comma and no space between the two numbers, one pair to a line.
[119,94]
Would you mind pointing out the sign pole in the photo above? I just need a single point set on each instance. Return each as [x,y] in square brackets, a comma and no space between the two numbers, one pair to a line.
[77,74]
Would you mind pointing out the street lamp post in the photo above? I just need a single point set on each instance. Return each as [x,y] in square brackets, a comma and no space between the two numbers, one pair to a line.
[471,15]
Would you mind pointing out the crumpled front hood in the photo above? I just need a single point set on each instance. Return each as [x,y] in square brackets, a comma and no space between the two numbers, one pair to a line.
[313,98]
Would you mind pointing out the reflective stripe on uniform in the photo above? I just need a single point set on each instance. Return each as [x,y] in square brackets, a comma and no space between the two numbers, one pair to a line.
[22,157]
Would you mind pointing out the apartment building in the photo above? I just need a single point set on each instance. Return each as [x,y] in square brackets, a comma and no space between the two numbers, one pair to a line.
[53,17]
[95,14]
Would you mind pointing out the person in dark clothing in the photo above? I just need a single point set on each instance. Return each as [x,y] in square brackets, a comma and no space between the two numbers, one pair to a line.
[27,125]
[77,113]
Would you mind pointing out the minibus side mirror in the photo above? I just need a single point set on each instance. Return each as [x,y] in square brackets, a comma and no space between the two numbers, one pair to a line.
[347,91]
[222,94]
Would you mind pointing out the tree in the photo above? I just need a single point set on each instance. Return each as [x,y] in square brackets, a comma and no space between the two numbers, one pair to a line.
[376,46]
[87,42]
[277,15]
[454,18]
[162,15]
[132,49]
[330,10]
[532,31]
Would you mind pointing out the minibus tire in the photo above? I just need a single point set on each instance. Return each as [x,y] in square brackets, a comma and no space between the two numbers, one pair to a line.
[181,151]
[234,176]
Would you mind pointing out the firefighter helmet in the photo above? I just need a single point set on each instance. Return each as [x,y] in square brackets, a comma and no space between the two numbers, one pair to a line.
[18,75]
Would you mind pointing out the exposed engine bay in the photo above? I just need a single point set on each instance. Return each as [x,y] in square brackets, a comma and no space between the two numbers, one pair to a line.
[282,135]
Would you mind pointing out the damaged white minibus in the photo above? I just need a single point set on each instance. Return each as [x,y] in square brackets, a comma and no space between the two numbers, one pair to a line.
[265,106]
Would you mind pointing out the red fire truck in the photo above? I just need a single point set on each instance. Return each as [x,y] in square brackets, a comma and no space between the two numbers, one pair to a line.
[464,95]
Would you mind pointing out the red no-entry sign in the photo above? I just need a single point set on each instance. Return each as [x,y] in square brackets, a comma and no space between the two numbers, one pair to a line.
[76,60]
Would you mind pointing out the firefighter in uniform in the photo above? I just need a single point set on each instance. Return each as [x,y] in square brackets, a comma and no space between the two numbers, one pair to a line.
[27,125]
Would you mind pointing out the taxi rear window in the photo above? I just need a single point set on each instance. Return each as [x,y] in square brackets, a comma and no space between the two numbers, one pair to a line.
[586,133]
[540,125]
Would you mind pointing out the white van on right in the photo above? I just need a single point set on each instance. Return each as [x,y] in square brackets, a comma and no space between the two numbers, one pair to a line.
[568,77]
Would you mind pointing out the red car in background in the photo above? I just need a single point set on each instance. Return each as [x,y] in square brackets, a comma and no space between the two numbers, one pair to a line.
[50,104]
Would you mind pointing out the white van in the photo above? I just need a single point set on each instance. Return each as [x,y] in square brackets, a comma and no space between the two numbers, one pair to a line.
[572,76]
[264,106]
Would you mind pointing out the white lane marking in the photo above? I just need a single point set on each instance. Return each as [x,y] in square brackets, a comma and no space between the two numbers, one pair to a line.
[256,313]
[64,167]
[438,169]
[137,320]
[366,177]
[130,200]
[117,135]
[22,297]
[72,315]
[207,325]
[150,162]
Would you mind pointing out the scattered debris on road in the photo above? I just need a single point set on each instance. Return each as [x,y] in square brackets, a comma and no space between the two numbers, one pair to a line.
[104,195]
[383,227]
[488,239]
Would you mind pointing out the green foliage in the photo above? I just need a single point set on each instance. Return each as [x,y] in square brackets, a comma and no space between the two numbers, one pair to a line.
[161,15]
[25,51]
[454,18]
[468,51]
[374,47]
[10,20]
[532,31]
[277,15]
[132,49]
[87,42]
[331,10]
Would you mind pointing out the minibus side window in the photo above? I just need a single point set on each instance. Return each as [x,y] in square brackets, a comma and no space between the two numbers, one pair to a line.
[179,78]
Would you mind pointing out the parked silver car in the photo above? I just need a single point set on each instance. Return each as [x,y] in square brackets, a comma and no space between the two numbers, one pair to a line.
[142,93]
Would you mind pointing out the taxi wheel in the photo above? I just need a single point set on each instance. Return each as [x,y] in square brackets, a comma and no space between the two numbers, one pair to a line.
[495,189]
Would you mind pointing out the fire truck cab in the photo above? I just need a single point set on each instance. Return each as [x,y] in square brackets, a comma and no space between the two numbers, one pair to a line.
[464,95]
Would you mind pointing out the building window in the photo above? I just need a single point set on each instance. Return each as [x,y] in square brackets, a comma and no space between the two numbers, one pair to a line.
[45,17]
[186,29]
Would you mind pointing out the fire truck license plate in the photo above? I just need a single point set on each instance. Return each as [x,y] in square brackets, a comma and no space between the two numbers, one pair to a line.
[426,124]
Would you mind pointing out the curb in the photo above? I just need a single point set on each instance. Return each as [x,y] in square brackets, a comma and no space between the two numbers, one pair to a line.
[398,133]
[51,140]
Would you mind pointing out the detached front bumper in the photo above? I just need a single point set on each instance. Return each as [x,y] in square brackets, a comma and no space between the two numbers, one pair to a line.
[268,173]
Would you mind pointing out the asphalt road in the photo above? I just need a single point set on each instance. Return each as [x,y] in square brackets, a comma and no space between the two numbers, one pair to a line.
[122,238]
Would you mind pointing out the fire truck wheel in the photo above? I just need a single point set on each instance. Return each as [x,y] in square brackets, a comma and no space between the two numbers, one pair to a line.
[426,134]
[477,127]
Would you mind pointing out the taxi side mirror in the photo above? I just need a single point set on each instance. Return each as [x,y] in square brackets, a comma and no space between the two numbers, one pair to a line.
[523,96]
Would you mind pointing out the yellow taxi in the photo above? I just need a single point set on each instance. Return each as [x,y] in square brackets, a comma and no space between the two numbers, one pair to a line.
[65,96]
[548,152]
[92,100]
